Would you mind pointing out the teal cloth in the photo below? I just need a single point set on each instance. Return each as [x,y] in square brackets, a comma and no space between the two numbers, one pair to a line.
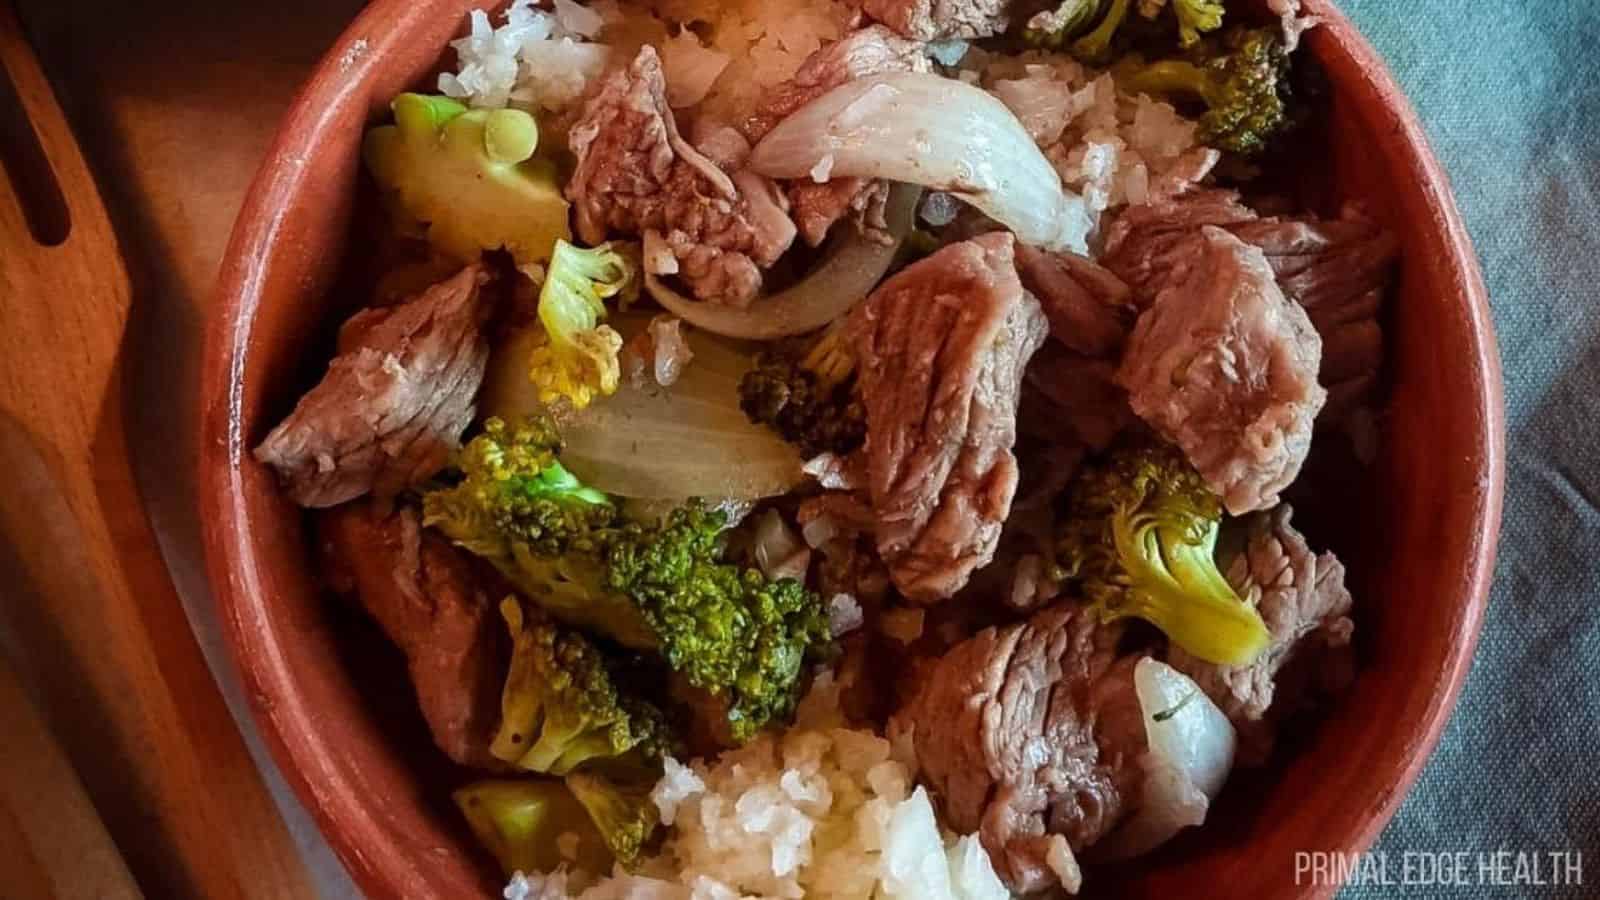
[1510,95]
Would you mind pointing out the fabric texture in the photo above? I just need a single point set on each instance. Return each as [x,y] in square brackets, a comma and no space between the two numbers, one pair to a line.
[1510,96]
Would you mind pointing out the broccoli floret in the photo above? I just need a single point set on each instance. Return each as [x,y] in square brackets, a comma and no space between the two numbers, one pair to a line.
[469,177]
[1196,17]
[727,629]
[514,489]
[1052,29]
[579,358]
[519,508]
[808,398]
[662,587]
[1243,81]
[1068,26]
[1072,25]
[520,821]
[1139,539]
[560,708]
[621,810]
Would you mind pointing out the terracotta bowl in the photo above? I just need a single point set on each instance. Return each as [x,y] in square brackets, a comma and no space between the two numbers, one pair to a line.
[333,703]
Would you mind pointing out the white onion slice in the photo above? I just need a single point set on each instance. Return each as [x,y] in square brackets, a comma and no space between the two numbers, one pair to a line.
[1191,753]
[779,551]
[650,442]
[850,269]
[940,133]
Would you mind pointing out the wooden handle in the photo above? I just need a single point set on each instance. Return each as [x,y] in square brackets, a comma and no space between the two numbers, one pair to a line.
[53,845]
[90,607]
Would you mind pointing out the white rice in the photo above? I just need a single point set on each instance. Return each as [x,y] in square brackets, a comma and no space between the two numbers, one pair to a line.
[535,59]
[544,57]
[690,67]
[1112,147]
[820,811]
[722,55]
[764,42]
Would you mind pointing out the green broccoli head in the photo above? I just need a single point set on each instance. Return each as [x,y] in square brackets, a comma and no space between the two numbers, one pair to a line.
[621,810]
[520,822]
[1243,81]
[469,178]
[661,587]
[544,530]
[560,708]
[514,491]
[580,357]
[1053,29]
[726,629]
[809,398]
[1196,17]
[1139,537]
[1091,29]
[1085,27]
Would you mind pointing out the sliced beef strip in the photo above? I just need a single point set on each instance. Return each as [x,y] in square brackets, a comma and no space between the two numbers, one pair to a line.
[437,605]
[1303,599]
[1340,270]
[635,173]
[937,20]
[1225,366]
[942,348]
[873,50]
[393,403]
[1032,736]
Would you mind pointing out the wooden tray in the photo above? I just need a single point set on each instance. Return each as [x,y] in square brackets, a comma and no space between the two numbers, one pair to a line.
[173,105]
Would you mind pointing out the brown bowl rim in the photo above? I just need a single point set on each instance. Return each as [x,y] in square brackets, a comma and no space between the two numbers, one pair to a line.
[288,727]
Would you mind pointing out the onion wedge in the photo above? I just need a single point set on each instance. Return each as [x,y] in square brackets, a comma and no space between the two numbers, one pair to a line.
[940,133]
[649,442]
[852,266]
[1191,753]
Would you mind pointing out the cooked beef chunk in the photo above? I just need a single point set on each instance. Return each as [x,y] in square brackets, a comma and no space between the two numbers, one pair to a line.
[936,20]
[1224,366]
[1072,398]
[942,348]
[437,606]
[873,50]
[1146,244]
[723,144]
[393,403]
[635,173]
[1031,735]
[1302,597]
[1089,308]
[1338,269]
[818,206]
[840,514]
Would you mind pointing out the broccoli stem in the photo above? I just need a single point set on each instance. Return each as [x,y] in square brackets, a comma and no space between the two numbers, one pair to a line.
[519,822]
[1169,78]
[422,112]
[510,135]
[831,361]
[1096,45]
[1182,592]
